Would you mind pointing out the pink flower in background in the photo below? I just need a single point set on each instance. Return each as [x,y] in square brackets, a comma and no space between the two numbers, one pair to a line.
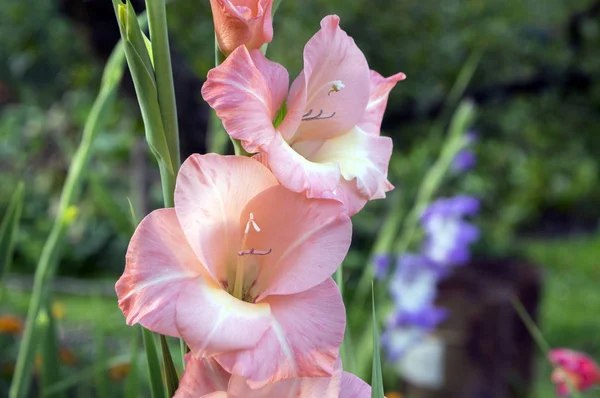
[240,269]
[242,23]
[206,378]
[326,140]
[573,368]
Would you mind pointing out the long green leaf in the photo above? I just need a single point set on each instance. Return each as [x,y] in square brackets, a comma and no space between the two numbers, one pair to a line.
[8,232]
[377,376]
[172,380]
[51,369]
[157,22]
[66,212]
[156,384]
[132,384]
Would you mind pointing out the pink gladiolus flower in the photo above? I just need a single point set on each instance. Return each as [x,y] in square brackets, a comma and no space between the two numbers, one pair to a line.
[573,369]
[242,23]
[328,144]
[241,270]
[206,378]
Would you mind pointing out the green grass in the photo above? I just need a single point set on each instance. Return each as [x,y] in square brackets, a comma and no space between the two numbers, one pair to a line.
[570,312]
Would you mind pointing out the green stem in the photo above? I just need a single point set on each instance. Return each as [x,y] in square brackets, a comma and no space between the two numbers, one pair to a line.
[538,337]
[157,22]
[47,263]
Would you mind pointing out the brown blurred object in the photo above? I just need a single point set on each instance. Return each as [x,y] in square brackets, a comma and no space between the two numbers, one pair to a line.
[487,351]
[10,324]
[120,371]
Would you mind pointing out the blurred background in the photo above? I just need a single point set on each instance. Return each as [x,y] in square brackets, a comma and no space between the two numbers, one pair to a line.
[537,94]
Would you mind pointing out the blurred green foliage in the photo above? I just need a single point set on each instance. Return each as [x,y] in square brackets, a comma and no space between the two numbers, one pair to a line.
[537,153]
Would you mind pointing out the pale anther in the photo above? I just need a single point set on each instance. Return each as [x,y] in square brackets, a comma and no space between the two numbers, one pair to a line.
[252,223]
[336,86]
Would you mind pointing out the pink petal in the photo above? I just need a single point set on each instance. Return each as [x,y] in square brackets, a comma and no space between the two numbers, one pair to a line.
[211,321]
[246,91]
[330,56]
[159,264]
[285,351]
[261,26]
[299,174]
[202,376]
[308,387]
[231,27]
[354,387]
[308,239]
[210,194]
[380,88]
[239,23]
[363,160]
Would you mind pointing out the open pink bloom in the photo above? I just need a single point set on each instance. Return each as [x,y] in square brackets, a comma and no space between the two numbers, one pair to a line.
[242,23]
[574,368]
[206,378]
[328,144]
[241,270]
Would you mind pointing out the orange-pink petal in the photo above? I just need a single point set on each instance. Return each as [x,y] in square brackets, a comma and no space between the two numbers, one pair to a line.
[363,160]
[202,376]
[380,88]
[286,351]
[246,91]
[210,194]
[354,387]
[307,238]
[212,321]
[335,79]
[242,22]
[159,264]
[295,172]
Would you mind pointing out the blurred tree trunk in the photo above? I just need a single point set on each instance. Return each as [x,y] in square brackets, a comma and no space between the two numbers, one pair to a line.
[483,350]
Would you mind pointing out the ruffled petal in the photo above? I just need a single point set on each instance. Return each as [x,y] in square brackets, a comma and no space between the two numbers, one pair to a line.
[298,174]
[202,376]
[335,79]
[246,91]
[363,159]
[159,264]
[354,387]
[261,26]
[285,352]
[308,387]
[231,27]
[211,321]
[380,88]
[211,192]
[246,23]
[307,239]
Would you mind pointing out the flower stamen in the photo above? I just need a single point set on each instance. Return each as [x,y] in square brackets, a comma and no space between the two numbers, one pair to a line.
[239,270]
[307,116]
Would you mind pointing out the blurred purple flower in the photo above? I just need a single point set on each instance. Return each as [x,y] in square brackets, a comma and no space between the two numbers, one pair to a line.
[381,264]
[448,235]
[413,283]
[463,161]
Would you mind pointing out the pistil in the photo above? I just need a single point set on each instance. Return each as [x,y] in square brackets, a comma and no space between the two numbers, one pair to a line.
[239,271]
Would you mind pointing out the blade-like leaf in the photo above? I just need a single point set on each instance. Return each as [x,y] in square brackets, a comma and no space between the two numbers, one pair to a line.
[50,253]
[51,372]
[156,384]
[377,376]
[132,384]
[172,380]
[8,232]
